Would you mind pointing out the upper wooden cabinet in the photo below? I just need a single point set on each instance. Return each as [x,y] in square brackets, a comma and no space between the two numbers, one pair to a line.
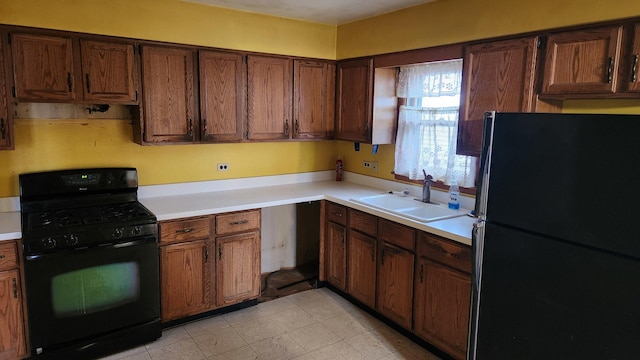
[269,98]
[496,76]
[65,68]
[584,61]
[6,119]
[43,67]
[107,71]
[354,94]
[169,105]
[222,96]
[313,99]
[632,72]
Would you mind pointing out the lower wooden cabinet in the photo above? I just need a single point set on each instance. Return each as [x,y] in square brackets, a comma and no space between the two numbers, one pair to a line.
[336,255]
[395,284]
[443,295]
[209,262]
[361,265]
[12,329]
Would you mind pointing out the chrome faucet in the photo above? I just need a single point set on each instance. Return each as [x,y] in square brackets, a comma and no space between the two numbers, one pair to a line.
[426,188]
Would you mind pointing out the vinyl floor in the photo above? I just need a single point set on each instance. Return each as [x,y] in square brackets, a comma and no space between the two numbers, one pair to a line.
[315,324]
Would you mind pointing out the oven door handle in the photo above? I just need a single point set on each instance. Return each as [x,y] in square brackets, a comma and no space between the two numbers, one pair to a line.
[120,245]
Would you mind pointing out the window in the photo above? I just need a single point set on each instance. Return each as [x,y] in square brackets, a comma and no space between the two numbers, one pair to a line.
[428,123]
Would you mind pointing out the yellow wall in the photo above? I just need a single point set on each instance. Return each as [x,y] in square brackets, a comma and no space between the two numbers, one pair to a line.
[51,144]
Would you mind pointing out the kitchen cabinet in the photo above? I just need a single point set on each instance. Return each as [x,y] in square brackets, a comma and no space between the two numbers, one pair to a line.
[222,96]
[362,257]
[313,99]
[395,272]
[600,62]
[186,267]
[496,76]
[336,248]
[354,93]
[6,116]
[169,106]
[443,294]
[12,328]
[202,269]
[64,68]
[238,263]
[583,61]
[269,97]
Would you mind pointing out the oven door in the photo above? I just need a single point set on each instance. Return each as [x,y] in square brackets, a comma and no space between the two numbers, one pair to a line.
[80,294]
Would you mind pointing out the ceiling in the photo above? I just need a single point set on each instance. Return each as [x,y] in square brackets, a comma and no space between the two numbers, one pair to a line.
[333,12]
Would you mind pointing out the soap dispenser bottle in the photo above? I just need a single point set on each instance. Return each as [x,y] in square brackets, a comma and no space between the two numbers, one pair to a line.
[454,194]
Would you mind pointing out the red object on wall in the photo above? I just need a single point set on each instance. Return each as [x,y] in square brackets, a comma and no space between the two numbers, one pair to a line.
[338,170]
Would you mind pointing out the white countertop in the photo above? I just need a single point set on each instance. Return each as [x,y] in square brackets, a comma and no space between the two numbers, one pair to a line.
[167,207]
[10,225]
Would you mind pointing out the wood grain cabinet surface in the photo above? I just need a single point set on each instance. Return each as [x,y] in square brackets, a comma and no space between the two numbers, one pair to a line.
[496,76]
[209,262]
[12,321]
[169,107]
[66,68]
[336,245]
[443,294]
[354,96]
[6,116]
[313,99]
[362,267]
[395,284]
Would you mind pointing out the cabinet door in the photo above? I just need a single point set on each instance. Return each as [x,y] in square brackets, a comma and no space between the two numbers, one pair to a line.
[395,284]
[496,76]
[582,61]
[361,268]
[186,276]
[632,76]
[336,255]
[442,302]
[6,123]
[12,336]
[169,107]
[222,96]
[43,67]
[354,95]
[269,98]
[313,99]
[238,268]
[107,70]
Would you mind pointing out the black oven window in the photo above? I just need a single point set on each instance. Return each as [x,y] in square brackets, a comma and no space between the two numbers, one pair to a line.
[95,289]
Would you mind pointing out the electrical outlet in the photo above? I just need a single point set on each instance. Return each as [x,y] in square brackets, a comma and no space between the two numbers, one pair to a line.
[223,166]
[374,166]
[367,164]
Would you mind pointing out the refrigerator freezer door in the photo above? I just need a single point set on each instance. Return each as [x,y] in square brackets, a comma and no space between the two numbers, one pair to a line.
[547,299]
[567,176]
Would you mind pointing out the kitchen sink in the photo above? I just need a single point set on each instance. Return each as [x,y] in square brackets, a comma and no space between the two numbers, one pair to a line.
[409,207]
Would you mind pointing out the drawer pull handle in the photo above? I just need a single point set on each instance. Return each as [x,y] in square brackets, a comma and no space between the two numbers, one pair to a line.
[185,231]
[239,222]
[206,253]
[610,70]
[634,68]
[337,214]
[15,288]
[2,256]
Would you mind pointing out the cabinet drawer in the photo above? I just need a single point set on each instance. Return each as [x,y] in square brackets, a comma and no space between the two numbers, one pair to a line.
[8,255]
[184,230]
[397,234]
[337,213]
[363,222]
[445,252]
[237,222]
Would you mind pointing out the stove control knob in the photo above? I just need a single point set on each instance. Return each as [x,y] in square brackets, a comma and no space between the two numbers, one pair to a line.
[117,233]
[136,230]
[48,242]
[71,239]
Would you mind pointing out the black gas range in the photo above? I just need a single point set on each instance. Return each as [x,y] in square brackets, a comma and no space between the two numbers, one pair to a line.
[91,263]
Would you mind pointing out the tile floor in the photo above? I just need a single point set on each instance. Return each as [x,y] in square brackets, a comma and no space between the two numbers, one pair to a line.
[310,325]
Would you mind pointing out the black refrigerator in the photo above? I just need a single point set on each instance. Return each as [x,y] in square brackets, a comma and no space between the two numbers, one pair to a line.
[556,270]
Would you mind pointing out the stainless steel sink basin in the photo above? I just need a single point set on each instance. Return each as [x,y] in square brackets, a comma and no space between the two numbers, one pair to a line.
[409,207]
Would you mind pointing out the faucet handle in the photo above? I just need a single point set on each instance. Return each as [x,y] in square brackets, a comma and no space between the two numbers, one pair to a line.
[428,178]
